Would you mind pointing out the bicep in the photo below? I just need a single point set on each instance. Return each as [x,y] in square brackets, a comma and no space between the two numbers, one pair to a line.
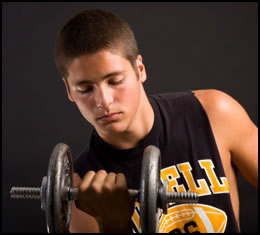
[81,222]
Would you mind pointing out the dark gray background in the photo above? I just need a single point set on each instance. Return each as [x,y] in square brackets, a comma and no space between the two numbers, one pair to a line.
[184,46]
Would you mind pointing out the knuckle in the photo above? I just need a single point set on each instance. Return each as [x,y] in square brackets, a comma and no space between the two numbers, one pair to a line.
[88,175]
[111,174]
[101,172]
[91,172]
[121,175]
[95,187]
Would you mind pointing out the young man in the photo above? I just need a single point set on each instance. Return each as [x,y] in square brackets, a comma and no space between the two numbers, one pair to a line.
[204,136]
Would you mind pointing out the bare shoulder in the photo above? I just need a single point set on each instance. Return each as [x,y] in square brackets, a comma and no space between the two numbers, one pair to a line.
[233,129]
[215,100]
[223,110]
[220,105]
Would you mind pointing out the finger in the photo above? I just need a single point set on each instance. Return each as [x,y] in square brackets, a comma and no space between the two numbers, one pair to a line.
[110,180]
[121,180]
[97,182]
[84,185]
[76,180]
[87,179]
[100,176]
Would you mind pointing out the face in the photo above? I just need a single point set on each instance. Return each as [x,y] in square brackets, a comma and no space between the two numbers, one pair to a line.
[106,90]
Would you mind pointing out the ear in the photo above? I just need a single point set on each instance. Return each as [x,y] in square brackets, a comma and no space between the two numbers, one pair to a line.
[68,89]
[141,68]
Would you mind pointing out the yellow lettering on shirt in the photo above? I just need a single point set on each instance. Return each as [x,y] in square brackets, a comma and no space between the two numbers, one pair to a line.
[203,189]
[215,185]
[171,174]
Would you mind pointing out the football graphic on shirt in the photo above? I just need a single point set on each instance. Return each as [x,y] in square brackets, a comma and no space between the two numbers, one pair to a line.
[189,218]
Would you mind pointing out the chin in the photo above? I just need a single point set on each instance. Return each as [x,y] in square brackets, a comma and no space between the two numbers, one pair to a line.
[112,128]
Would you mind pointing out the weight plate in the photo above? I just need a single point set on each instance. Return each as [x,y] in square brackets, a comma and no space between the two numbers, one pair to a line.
[150,180]
[59,180]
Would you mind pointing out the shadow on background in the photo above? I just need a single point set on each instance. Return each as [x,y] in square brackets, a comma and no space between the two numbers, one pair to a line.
[184,46]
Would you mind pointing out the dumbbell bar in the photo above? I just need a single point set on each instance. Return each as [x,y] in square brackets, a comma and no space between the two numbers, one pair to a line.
[56,192]
[72,194]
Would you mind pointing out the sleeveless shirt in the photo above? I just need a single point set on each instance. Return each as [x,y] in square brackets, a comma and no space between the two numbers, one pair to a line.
[190,161]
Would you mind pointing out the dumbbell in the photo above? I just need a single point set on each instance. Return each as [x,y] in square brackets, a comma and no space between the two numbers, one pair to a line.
[56,192]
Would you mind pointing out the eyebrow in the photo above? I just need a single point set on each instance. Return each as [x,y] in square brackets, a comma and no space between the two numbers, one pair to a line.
[82,82]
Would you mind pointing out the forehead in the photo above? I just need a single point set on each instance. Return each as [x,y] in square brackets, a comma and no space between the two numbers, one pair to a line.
[97,65]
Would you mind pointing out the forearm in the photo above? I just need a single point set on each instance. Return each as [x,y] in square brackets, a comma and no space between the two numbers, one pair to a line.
[109,225]
[81,222]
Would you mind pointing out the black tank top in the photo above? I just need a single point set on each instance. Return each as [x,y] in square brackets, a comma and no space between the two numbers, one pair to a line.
[190,161]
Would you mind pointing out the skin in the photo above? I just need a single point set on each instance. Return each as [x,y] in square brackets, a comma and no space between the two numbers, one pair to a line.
[121,94]
[114,92]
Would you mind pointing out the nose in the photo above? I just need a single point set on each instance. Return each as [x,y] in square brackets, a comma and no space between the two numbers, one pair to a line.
[103,97]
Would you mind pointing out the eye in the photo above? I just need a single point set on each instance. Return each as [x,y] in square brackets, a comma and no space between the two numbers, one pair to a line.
[115,82]
[85,90]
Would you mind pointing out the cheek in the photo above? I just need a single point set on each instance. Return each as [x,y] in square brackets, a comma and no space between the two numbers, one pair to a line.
[84,105]
[129,94]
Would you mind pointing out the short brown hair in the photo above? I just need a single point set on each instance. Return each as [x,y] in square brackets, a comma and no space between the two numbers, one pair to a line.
[90,31]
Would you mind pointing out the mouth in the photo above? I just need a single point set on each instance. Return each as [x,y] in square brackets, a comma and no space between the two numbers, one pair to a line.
[109,117]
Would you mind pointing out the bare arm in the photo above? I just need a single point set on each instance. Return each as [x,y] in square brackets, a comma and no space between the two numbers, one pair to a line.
[238,133]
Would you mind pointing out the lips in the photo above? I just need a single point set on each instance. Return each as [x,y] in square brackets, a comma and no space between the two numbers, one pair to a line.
[109,117]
